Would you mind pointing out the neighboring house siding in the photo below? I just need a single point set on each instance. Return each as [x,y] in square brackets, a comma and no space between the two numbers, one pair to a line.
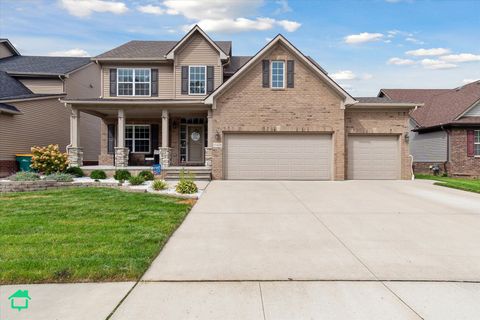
[428,147]
[375,122]
[4,51]
[473,112]
[311,106]
[42,85]
[197,51]
[165,79]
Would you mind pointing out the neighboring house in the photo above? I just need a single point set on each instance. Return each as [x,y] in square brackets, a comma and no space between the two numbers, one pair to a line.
[446,130]
[275,115]
[30,110]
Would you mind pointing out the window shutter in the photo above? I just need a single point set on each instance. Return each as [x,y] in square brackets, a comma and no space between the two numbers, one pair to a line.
[113,82]
[154,83]
[210,78]
[111,139]
[290,73]
[266,73]
[154,136]
[184,79]
[470,143]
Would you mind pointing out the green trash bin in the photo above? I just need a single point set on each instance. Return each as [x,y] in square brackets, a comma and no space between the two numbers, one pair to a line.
[24,161]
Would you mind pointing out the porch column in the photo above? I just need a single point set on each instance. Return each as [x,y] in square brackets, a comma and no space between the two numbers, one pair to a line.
[165,150]
[208,149]
[121,153]
[75,153]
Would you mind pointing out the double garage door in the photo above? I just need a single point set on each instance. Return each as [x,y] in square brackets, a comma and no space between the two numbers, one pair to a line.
[281,156]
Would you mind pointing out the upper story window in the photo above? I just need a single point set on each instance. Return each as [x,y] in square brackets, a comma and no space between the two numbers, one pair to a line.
[133,82]
[278,74]
[476,143]
[197,80]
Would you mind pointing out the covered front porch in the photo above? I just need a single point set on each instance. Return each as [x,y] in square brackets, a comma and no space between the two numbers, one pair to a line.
[137,135]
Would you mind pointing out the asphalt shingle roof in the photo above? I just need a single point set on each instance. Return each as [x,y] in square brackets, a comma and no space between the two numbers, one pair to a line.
[8,108]
[151,49]
[39,65]
[378,100]
[11,87]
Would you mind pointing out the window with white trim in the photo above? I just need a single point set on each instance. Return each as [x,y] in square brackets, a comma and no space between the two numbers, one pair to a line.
[133,82]
[476,142]
[278,74]
[197,80]
[137,138]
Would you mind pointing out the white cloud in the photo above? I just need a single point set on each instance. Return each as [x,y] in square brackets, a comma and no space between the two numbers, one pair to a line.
[428,52]
[437,64]
[400,62]
[70,53]
[414,40]
[83,8]
[234,25]
[462,57]
[367,76]
[343,75]
[467,81]
[363,37]
[288,25]
[283,7]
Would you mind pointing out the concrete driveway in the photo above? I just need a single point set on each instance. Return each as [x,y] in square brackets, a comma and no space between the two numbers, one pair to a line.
[330,250]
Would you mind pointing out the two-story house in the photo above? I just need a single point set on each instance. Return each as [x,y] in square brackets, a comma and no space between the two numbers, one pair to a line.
[274,115]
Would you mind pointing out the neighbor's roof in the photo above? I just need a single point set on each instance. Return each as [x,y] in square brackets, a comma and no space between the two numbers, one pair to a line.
[441,106]
[379,100]
[150,49]
[11,87]
[12,48]
[39,65]
[6,108]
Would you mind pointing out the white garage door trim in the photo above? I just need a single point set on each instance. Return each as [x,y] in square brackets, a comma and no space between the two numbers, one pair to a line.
[373,157]
[277,156]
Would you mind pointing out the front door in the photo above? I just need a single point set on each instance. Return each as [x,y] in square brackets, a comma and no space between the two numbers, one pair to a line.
[195,143]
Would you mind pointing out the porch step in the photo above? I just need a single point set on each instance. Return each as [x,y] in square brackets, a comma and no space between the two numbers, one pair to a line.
[199,173]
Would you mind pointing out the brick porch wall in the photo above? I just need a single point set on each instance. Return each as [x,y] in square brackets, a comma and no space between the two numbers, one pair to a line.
[424,167]
[460,163]
[7,168]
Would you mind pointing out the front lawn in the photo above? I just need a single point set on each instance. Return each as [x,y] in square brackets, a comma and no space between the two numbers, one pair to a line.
[83,234]
[472,185]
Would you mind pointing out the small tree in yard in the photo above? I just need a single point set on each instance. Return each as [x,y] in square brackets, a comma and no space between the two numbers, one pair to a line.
[49,159]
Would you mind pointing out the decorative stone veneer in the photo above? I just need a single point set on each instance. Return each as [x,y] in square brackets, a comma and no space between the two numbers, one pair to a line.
[208,156]
[121,157]
[75,156]
[377,122]
[22,186]
[459,163]
[311,106]
[165,156]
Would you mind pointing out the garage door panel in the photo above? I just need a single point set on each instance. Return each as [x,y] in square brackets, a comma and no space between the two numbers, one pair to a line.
[373,157]
[278,156]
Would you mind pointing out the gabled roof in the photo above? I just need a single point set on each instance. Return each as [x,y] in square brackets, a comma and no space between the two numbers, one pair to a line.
[42,66]
[10,46]
[441,106]
[11,87]
[6,108]
[281,39]
[223,54]
[236,62]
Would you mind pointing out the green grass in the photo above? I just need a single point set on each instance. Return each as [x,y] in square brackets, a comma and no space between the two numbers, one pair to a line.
[84,234]
[472,185]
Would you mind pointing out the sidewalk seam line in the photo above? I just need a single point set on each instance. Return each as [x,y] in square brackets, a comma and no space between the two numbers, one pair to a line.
[261,299]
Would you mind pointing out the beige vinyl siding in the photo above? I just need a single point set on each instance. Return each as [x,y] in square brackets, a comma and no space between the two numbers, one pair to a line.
[84,83]
[4,51]
[197,51]
[165,79]
[44,85]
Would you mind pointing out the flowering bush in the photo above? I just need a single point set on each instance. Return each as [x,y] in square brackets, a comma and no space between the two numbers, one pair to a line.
[49,159]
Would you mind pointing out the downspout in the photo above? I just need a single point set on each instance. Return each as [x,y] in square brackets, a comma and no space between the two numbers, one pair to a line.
[448,149]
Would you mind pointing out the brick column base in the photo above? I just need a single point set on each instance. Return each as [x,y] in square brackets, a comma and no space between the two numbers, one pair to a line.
[121,157]
[165,156]
[75,157]
[208,157]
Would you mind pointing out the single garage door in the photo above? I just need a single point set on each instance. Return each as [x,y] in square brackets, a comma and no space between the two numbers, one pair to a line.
[373,157]
[278,156]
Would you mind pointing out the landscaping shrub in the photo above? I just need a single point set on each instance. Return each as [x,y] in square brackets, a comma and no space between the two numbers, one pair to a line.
[49,159]
[159,185]
[146,175]
[98,174]
[75,171]
[122,174]
[61,177]
[136,180]
[186,184]
[24,176]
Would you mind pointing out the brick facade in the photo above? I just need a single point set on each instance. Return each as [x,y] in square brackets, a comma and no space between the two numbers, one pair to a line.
[459,162]
[7,168]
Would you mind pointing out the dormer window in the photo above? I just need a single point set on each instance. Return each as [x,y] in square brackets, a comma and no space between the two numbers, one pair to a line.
[197,80]
[278,74]
[133,82]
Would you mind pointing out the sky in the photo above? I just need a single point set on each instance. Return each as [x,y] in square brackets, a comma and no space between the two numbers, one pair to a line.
[364,45]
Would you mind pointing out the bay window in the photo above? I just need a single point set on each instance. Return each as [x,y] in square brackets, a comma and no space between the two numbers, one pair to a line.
[133,82]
